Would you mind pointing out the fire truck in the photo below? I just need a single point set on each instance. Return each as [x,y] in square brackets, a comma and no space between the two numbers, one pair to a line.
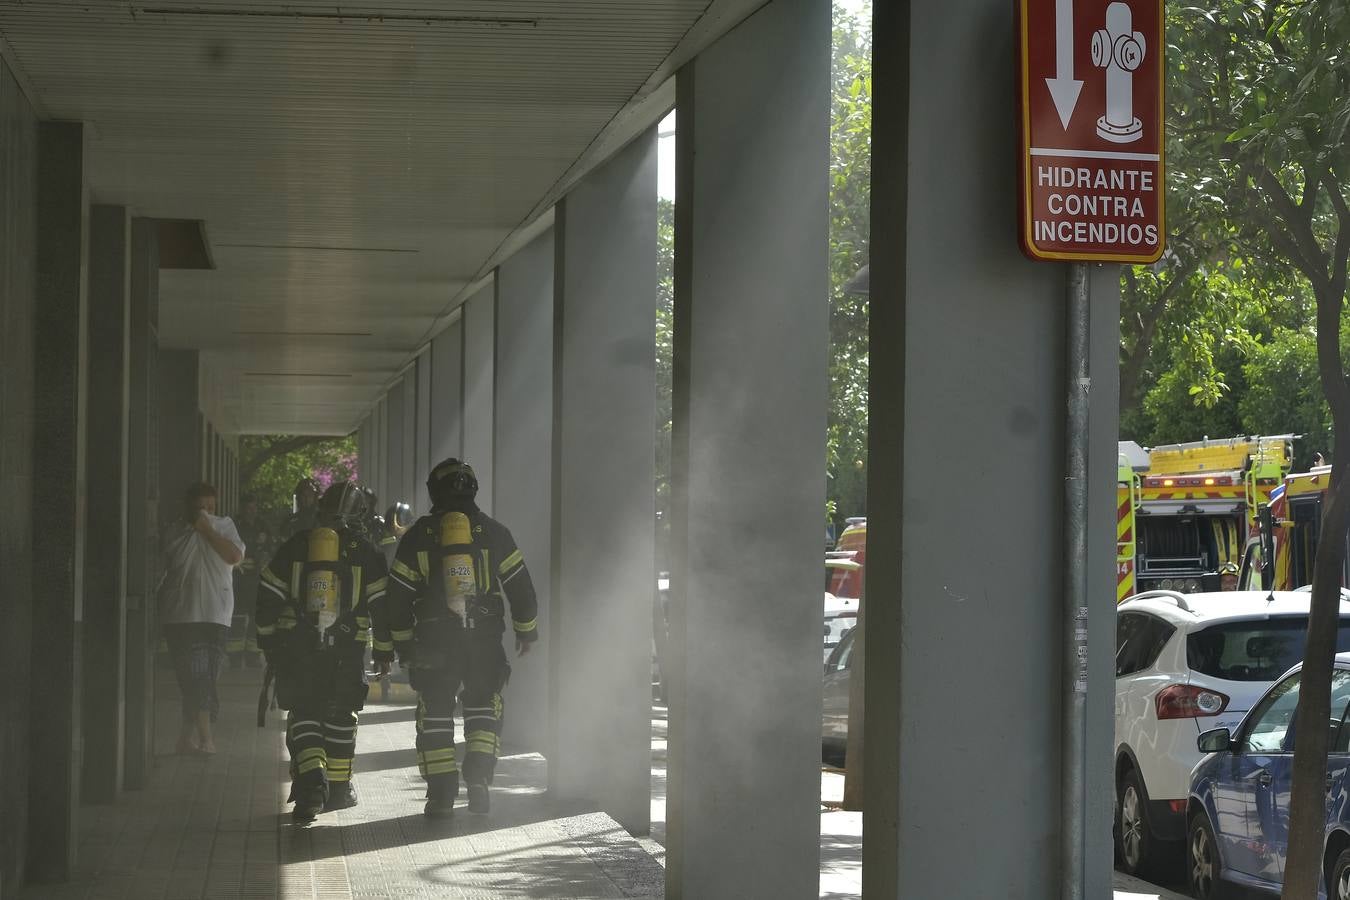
[1280,554]
[1186,510]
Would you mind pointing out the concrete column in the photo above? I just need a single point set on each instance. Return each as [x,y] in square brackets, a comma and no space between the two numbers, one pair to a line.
[407,486]
[180,431]
[18,290]
[422,463]
[523,496]
[105,558]
[447,396]
[480,324]
[60,390]
[967,375]
[142,503]
[381,421]
[748,462]
[604,371]
[396,439]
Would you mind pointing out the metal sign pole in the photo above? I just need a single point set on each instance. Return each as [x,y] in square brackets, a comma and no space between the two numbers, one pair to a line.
[1073,740]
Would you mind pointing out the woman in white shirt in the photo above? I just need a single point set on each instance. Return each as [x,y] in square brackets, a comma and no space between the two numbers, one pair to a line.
[196,605]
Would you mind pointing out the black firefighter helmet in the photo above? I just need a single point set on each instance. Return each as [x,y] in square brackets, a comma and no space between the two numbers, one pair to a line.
[450,481]
[343,505]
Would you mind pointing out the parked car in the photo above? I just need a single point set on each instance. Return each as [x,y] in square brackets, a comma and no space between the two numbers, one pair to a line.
[1238,828]
[841,614]
[834,715]
[1187,664]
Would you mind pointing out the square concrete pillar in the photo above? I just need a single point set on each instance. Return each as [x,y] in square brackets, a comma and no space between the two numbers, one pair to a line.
[407,487]
[142,503]
[60,394]
[965,574]
[748,458]
[422,463]
[179,433]
[18,290]
[105,557]
[396,434]
[480,329]
[447,397]
[522,462]
[604,436]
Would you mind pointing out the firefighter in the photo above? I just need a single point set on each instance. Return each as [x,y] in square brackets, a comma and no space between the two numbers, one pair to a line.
[303,503]
[318,600]
[451,575]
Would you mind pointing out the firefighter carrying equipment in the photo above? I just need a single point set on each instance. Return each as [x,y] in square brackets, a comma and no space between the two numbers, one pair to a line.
[319,600]
[435,571]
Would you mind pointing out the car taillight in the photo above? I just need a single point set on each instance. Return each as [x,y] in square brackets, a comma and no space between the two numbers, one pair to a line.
[1184,701]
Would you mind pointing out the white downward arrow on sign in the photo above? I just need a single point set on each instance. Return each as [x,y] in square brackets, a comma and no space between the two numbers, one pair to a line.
[1063,87]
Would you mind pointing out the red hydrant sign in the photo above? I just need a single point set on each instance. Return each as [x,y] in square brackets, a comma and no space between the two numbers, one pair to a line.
[1090,98]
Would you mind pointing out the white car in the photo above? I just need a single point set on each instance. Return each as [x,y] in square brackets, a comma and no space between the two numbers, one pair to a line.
[841,614]
[1187,663]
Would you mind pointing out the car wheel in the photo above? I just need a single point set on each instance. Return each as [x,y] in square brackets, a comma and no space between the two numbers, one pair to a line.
[1338,888]
[1134,840]
[1202,861]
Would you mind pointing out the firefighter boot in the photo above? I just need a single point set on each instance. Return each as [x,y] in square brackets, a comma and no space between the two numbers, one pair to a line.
[341,795]
[441,793]
[479,801]
[310,800]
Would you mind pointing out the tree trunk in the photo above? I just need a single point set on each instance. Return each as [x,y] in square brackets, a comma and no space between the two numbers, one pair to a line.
[1308,801]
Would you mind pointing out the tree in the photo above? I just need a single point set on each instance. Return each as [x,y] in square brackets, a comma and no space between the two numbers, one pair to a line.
[850,233]
[270,465]
[1264,88]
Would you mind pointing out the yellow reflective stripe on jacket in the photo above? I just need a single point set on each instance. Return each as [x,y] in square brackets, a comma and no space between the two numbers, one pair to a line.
[272,579]
[297,576]
[401,636]
[402,571]
[356,584]
[526,627]
[386,646]
[424,563]
[376,588]
[510,562]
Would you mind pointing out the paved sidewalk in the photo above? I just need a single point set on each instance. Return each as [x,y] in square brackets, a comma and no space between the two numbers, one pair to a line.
[215,828]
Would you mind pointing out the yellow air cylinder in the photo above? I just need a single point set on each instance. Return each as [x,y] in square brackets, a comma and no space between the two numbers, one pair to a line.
[460,583]
[322,589]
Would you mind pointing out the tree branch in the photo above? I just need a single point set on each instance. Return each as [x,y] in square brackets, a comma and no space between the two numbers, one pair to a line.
[1341,255]
[249,467]
[1308,254]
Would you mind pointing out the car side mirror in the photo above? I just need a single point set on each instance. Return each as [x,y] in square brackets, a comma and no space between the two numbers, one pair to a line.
[1216,740]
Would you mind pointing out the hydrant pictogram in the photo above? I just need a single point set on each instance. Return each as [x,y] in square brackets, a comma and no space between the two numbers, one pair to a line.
[1119,49]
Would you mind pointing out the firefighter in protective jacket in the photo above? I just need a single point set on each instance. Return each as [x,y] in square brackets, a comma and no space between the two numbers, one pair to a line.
[454,571]
[317,602]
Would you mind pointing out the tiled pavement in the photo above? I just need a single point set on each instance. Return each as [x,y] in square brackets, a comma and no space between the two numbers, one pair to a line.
[215,828]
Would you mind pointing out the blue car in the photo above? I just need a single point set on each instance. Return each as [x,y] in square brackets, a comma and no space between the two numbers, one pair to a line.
[1238,815]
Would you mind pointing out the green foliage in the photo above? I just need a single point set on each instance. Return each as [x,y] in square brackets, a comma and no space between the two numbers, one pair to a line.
[665,333]
[278,461]
[850,231]
[1283,394]
[1219,337]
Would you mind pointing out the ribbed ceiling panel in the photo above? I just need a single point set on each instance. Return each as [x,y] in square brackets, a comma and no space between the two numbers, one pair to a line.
[356,164]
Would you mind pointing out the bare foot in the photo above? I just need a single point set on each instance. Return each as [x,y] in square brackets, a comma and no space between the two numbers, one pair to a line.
[206,750]
[186,747]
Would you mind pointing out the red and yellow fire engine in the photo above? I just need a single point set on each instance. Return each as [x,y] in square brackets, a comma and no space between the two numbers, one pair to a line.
[1184,511]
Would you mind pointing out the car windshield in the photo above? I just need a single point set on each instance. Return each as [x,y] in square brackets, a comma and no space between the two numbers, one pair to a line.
[1260,650]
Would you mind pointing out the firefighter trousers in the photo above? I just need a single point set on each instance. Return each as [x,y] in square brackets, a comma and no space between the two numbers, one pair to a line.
[475,673]
[322,745]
